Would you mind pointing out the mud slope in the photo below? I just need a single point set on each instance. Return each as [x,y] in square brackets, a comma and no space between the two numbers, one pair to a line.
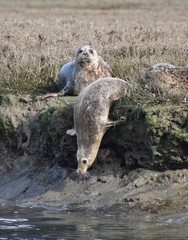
[141,166]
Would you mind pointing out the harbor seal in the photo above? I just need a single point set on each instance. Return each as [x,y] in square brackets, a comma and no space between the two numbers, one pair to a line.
[91,120]
[79,73]
[166,79]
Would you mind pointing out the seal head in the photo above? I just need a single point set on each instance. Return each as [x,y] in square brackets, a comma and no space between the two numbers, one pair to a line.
[86,56]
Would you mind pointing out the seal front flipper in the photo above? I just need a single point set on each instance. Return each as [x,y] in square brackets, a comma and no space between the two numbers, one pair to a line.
[110,123]
[71,132]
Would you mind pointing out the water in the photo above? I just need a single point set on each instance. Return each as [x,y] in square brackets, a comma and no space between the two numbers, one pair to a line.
[35,223]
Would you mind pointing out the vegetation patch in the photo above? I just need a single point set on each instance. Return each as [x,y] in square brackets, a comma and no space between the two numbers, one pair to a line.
[35,44]
[49,117]
[6,126]
[180,136]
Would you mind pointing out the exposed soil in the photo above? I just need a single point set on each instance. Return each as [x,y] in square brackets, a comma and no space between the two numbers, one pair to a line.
[38,162]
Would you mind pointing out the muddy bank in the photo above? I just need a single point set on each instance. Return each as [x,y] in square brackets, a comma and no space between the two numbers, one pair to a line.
[141,168]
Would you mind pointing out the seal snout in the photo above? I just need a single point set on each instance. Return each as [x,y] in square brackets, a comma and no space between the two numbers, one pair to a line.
[82,173]
[82,166]
[85,54]
[79,170]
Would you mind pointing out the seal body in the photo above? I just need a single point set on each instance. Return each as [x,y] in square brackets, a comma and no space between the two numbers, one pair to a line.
[91,121]
[166,79]
[65,76]
[85,69]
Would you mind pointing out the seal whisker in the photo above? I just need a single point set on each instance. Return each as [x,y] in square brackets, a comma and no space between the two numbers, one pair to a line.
[87,174]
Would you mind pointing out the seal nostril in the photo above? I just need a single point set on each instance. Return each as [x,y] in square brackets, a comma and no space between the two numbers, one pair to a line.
[84,161]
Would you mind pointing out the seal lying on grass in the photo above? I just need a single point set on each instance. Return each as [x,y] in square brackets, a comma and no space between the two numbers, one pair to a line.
[76,75]
[91,121]
[166,79]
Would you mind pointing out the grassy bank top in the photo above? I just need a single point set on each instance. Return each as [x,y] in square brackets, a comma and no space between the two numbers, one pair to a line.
[38,37]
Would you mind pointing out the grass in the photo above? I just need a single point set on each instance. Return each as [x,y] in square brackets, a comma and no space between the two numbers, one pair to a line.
[38,37]
[5,125]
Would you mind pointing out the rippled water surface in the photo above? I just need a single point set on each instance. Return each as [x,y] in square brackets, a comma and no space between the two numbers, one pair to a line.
[35,223]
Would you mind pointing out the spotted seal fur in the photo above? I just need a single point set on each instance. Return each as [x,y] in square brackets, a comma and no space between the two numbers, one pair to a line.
[166,79]
[91,120]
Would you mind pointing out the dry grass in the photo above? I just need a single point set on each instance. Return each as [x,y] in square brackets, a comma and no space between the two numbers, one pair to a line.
[38,37]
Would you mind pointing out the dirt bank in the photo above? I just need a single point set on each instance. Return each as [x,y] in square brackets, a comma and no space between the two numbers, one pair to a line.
[141,168]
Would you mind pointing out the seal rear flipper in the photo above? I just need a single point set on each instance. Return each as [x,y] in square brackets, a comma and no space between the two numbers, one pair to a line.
[71,132]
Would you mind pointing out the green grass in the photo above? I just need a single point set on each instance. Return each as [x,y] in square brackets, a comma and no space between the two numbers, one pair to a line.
[5,125]
[38,37]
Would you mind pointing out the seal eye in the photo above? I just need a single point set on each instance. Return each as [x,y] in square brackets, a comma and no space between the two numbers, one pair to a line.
[80,51]
[84,161]
[91,51]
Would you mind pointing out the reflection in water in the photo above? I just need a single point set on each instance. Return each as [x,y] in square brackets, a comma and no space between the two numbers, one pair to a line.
[35,223]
